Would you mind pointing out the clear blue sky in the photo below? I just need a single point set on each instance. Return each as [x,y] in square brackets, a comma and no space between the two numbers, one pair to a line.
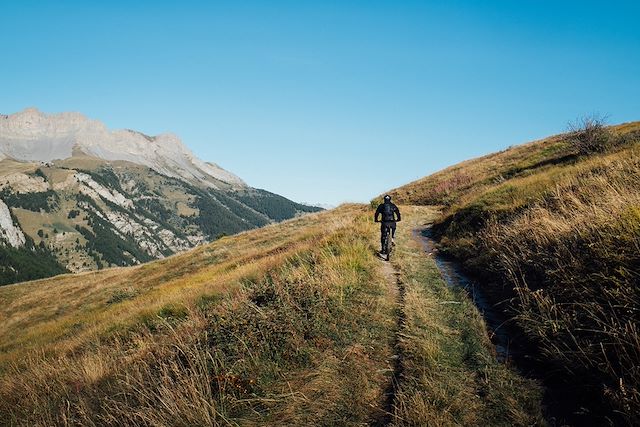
[326,101]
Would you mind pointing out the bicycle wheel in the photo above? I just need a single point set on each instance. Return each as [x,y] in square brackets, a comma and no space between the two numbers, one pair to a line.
[387,242]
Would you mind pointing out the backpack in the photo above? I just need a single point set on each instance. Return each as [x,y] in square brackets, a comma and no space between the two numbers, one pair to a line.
[387,212]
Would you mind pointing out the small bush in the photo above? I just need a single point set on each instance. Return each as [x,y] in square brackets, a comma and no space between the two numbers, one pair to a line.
[121,295]
[41,174]
[589,135]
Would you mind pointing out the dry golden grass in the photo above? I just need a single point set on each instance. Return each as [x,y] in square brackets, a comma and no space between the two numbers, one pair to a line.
[558,236]
[289,324]
[460,184]
[574,260]
[450,373]
[292,324]
[43,312]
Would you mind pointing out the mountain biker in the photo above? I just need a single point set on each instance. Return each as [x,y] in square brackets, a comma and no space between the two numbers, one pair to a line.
[390,215]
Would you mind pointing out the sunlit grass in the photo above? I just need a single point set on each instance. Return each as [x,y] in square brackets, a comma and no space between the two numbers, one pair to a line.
[280,325]
[451,376]
[293,324]
[558,237]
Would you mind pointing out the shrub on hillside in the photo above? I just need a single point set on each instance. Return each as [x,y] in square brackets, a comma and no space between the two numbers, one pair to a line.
[589,135]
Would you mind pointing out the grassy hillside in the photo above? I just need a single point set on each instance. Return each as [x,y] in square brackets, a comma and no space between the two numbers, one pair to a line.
[552,228]
[293,324]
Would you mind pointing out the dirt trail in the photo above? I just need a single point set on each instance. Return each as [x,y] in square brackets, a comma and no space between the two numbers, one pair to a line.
[397,292]
[440,368]
[455,277]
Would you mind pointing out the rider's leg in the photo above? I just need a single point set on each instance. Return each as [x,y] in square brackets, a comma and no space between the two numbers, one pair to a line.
[393,233]
[382,236]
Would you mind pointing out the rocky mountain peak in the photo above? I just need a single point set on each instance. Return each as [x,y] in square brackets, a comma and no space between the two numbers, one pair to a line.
[31,135]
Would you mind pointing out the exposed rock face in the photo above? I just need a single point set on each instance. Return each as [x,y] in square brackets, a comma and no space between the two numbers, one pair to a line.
[96,191]
[8,230]
[31,135]
[23,183]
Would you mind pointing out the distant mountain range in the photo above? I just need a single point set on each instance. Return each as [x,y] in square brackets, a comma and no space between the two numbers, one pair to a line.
[76,196]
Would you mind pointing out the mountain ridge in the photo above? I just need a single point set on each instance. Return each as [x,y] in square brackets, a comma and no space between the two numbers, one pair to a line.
[83,197]
[31,135]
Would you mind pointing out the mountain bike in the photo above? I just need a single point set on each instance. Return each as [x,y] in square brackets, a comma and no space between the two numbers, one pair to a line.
[387,246]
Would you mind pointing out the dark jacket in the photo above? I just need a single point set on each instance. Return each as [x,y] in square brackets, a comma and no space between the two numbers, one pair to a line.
[388,211]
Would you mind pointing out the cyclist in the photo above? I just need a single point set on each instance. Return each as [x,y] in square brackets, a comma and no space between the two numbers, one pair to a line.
[390,215]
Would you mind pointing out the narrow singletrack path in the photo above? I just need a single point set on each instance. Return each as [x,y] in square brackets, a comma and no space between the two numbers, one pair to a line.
[441,366]
[397,292]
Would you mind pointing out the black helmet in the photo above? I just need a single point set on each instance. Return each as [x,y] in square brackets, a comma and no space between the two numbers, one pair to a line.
[387,198]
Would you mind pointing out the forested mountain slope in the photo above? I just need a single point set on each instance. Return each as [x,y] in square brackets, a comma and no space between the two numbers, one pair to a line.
[64,208]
